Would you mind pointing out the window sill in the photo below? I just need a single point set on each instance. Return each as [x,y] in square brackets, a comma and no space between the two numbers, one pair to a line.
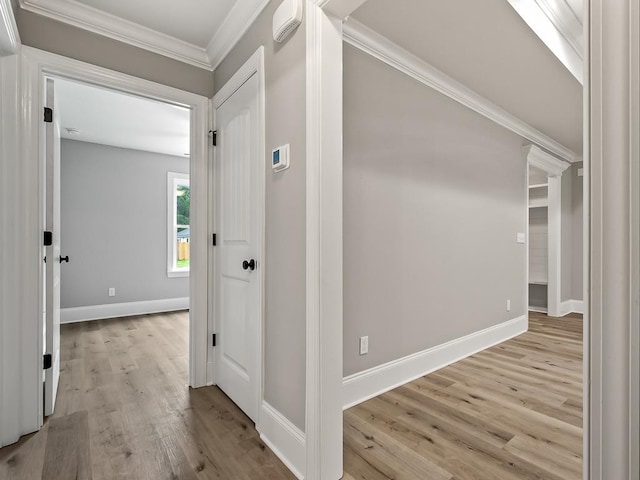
[177,273]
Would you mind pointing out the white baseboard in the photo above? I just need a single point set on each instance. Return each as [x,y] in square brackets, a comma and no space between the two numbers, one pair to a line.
[571,306]
[113,310]
[370,383]
[285,439]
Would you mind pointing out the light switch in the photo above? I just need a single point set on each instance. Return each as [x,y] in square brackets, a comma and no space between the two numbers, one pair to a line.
[521,237]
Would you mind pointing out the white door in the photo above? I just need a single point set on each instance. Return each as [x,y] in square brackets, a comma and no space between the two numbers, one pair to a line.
[238,269]
[53,256]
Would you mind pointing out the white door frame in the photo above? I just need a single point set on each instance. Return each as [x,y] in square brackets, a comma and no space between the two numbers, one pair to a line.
[612,276]
[553,167]
[38,65]
[253,66]
[324,263]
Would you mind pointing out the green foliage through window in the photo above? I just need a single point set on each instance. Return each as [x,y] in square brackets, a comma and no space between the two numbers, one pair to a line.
[183,193]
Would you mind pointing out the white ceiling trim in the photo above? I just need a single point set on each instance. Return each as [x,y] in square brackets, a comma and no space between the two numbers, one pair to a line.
[9,37]
[234,26]
[339,8]
[555,23]
[538,158]
[97,21]
[383,49]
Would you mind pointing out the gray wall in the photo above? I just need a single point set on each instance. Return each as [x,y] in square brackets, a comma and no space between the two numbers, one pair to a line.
[572,235]
[538,296]
[577,234]
[434,197]
[285,313]
[57,37]
[566,233]
[114,225]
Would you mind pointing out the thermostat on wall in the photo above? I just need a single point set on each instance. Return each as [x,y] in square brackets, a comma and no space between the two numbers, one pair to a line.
[280,158]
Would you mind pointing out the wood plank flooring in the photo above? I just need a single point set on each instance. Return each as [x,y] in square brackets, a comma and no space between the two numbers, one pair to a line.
[124,411]
[511,412]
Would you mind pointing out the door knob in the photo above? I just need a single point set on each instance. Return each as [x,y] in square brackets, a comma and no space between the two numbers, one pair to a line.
[250,265]
[64,259]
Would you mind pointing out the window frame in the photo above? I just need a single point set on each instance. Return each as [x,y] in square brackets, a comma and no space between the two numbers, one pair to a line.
[173,180]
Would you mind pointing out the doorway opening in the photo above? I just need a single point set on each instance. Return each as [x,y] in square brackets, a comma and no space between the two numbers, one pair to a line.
[118,206]
[42,66]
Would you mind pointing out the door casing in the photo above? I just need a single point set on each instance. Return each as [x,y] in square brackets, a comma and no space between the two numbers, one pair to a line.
[39,65]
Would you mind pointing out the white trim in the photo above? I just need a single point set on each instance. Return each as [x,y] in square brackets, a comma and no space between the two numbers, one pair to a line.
[126,309]
[383,49]
[554,251]
[253,66]
[285,439]
[554,168]
[613,274]
[370,383]
[558,28]
[37,65]
[340,9]
[97,21]
[324,263]
[540,159]
[235,25]
[634,214]
[9,36]
[20,385]
[587,432]
[571,306]
[526,236]
[211,301]
[244,73]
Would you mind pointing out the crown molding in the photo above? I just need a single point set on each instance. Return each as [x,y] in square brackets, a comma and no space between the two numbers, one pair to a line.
[234,26]
[339,8]
[102,23]
[544,161]
[378,46]
[558,27]
[9,37]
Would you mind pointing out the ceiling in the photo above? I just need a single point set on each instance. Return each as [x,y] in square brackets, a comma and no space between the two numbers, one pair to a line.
[198,32]
[193,21]
[490,49]
[486,45]
[121,120]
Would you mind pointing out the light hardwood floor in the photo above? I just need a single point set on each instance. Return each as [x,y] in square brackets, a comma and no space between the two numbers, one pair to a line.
[124,411]
[512,412]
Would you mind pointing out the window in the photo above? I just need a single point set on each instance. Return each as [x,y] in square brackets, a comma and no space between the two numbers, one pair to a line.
[178,239]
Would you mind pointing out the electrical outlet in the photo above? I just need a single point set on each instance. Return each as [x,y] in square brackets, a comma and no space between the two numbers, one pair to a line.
[364,345]
[508,305]
[112,292]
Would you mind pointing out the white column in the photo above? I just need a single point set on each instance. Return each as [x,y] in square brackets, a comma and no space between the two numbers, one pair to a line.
[555,246]
[614,219]
[324,245]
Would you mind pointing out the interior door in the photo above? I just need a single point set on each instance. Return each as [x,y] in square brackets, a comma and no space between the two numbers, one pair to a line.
[238,262]
[53,256]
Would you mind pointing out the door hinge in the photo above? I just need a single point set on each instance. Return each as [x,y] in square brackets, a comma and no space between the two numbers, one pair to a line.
[48,115]
[213,135]
[48,239]
[213,340]
[214,240]
[46,361]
